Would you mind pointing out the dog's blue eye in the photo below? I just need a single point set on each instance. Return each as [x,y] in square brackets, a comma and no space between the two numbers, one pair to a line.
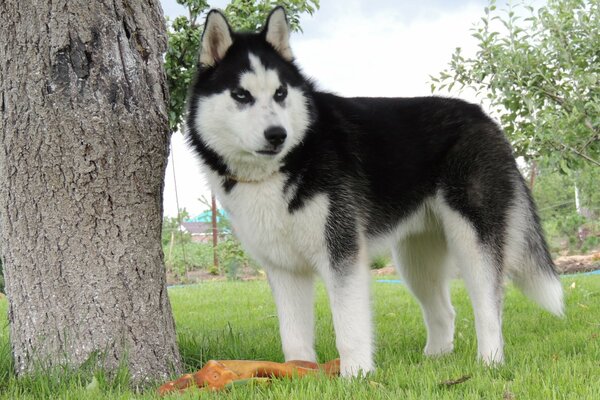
[280,93]
[241,96]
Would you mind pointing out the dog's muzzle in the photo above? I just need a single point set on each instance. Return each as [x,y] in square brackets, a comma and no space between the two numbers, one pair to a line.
[275,136]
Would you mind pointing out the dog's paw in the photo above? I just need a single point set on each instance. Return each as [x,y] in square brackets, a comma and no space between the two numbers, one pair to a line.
[438,349]
[350,368]
[492,358]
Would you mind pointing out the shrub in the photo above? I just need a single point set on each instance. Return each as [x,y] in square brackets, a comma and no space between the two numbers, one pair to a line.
[380,262]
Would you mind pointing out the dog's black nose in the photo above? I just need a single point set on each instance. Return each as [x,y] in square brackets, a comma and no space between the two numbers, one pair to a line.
[275,135]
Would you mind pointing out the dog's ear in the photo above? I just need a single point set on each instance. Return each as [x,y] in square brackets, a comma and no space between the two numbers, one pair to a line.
[216,39]
[277,33]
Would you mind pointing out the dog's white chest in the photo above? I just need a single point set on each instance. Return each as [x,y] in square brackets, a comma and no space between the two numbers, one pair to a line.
[270,233]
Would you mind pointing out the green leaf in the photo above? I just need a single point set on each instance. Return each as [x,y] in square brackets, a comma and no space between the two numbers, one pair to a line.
[541,76]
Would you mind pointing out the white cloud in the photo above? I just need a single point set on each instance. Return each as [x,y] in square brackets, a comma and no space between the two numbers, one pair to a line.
[382,56]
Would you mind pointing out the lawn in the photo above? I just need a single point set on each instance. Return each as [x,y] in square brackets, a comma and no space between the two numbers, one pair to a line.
[546,357]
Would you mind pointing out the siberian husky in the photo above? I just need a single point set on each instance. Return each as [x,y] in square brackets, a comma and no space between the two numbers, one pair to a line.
[315,184]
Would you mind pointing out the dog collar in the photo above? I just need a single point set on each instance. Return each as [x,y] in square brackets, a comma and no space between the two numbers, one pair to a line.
[237,179]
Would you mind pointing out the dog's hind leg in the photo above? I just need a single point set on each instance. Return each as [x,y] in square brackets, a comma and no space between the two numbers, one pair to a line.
[421,260]
[482,274]
[294,297]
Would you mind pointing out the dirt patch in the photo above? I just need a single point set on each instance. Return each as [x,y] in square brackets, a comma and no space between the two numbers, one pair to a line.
[384,271]
[582,263]
[564,264]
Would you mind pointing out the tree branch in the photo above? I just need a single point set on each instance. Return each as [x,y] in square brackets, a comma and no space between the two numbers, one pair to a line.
[585,156]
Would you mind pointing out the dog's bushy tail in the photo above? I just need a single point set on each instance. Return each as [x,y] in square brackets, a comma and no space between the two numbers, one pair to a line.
[528,258]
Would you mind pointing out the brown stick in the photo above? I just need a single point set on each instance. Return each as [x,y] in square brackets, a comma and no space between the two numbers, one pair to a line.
[215,232]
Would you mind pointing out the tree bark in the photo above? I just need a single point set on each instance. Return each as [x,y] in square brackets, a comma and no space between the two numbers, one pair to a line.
[82,160]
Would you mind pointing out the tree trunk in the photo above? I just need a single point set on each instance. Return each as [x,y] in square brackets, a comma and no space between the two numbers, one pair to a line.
[82,161]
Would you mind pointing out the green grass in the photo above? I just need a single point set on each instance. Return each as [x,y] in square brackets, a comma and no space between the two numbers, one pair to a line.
[546,357]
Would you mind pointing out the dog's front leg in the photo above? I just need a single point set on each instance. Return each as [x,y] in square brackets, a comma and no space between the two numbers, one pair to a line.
[294,298]
[348,286]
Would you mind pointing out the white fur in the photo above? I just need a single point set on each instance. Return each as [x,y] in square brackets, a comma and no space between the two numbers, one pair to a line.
[481,280]
[292,248]
[434,245]
[545,290]
[541,287]
[237,132]
[274,237]
[294,297]
[421,258]
[349,297]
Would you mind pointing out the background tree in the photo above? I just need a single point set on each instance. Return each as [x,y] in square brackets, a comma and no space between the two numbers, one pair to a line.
[541,73]
[566,228]
[83,148]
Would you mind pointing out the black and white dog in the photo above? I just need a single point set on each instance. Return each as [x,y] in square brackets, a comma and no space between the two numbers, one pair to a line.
[315,183]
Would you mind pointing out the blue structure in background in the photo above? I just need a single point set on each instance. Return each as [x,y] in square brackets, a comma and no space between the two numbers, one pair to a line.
[206,216]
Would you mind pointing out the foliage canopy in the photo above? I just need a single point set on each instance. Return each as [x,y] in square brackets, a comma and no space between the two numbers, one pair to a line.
[540,70]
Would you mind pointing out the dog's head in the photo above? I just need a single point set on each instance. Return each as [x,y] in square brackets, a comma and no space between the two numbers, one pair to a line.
[250,103]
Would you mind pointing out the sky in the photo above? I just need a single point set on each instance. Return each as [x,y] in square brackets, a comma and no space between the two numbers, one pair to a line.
[352,48]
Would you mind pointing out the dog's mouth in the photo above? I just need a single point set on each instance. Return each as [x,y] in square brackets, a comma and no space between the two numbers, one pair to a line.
[268,152]
[272,151]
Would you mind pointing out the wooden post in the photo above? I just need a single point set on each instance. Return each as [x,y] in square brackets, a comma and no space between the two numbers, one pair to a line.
[215,231]
[532,175]
[171,247]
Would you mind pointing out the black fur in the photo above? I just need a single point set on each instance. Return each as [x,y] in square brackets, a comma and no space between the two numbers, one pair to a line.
[383,155]
[391,154]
